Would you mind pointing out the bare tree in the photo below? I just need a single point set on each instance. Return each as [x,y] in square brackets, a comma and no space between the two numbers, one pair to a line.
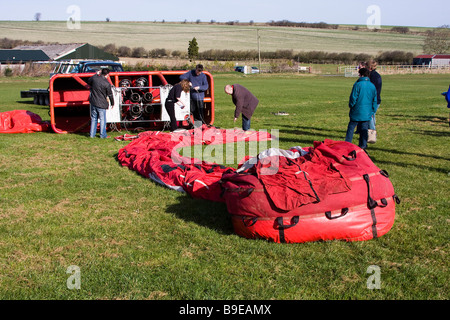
[37,16]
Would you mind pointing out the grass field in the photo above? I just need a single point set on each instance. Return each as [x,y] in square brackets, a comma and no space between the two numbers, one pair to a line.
[65,200]
[176,36]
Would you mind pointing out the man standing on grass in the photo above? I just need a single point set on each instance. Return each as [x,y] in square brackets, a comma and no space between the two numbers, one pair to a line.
[244,101]
[375,78]
[363,104]
[100,93]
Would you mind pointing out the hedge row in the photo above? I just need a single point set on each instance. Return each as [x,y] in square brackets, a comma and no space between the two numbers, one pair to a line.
[317,25]
[388,57]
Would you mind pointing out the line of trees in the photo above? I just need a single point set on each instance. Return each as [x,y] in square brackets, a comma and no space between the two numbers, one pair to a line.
[387,57]
[7,43]
[437,41]
[317,25]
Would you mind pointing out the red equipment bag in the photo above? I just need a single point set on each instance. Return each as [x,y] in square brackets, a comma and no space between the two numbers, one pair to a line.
[332,192]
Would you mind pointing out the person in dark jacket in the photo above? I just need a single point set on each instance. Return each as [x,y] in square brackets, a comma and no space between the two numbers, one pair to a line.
[447,98]
[101,91]
[375,78]
[363,104]
[199,84]
[174,98]
[244,101]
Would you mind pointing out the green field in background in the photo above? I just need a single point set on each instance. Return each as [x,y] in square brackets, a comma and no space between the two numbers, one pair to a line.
[176,36]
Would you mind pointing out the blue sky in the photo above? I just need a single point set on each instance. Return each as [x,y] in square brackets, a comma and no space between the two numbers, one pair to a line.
[430,13]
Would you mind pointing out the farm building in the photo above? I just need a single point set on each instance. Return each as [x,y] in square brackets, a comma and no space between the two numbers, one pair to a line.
[432,60]
[11,56]
[81,51]
[16,59]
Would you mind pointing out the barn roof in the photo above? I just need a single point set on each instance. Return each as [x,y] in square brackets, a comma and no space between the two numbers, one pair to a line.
[54,51]
[71,51]
[12,55]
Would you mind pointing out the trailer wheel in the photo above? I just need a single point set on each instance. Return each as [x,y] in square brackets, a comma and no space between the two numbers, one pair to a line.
[36,99]
[41,99]
[46,100]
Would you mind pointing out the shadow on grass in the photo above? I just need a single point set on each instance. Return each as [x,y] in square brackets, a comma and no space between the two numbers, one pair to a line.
[305,136]
[417,118]
[423,155]
[404,164]
[212,215]
[432,133]
[32,103]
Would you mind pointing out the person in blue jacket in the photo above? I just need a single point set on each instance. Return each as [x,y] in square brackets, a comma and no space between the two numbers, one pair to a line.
[363,104]
[199,84]
[447,98]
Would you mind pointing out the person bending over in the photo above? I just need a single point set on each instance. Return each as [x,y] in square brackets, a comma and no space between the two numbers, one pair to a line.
[244,101]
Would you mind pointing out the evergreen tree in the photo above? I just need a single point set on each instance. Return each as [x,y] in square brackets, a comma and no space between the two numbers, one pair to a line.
[193,49]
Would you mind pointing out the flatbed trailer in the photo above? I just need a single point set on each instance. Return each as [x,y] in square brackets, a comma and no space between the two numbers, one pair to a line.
[40,96]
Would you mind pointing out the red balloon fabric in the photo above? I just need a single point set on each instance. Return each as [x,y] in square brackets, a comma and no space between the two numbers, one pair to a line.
[21,121]
[329,191]
[154,155]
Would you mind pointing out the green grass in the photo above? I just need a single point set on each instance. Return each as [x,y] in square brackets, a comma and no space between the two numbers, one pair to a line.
[65,200]
[151,35]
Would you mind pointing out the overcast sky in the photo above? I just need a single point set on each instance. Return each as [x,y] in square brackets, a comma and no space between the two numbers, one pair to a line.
[430,13]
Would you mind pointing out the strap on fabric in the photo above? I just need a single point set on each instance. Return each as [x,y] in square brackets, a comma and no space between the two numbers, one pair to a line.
[371,204]
[343,213]
[384,203]
[351,156]
[222,193]
[167,168]
[281,227]
[213,167]
[306,178]
[249,222]
[384,173]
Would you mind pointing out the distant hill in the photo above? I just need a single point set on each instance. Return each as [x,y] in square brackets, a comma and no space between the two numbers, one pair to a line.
[176,36]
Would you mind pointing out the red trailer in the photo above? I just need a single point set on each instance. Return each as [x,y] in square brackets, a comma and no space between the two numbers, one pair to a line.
[141,97]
